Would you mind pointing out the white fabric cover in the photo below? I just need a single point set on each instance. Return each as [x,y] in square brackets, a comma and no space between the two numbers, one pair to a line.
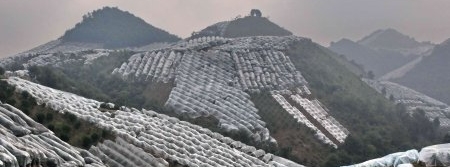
[436,155]
[394,160]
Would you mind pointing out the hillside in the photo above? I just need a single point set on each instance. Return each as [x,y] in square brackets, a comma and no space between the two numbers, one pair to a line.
[142,137]
[262,87]
[116,28]
[430,76]
[243,27]
[235,87]
[387,53]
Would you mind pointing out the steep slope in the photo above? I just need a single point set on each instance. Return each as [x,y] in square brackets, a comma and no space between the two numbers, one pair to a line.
[146,135]
[373,122]
[383,52]
[243,27]
[430,76]
[240,87]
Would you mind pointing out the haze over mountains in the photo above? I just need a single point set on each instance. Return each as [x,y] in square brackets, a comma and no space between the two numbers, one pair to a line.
[430,76]
[244,92]
[383,51]
[395,57]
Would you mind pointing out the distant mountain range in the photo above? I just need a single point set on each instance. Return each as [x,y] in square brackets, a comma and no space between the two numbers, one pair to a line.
[431,75]
[395,57]
[390,39]
[383,52]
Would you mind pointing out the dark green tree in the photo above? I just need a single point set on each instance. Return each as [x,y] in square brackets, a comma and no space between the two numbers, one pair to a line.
[116,28]
[446,138]
[2,71]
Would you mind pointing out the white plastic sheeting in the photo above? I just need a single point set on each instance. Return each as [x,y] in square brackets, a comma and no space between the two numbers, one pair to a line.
[302,119]
[153,66]
[202,89]
[413,100]
[24,142]
[121,153]
[436,155]
[18,73]
[260,43]
[212,82]
[212,75]
[161,136]
[316,110]
[53,59]
[265,70]
[392,160]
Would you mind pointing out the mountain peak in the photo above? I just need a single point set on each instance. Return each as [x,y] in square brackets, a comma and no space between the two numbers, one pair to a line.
[252,25]
[116,28]
[342,41]
[388,39]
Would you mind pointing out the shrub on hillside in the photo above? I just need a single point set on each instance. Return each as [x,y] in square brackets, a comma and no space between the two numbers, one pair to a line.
[2,71]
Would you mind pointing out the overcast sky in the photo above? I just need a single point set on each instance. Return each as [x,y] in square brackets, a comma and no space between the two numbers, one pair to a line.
[25,24]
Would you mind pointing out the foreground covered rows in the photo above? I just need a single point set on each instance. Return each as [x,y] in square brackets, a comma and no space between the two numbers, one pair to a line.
[159,135]
[435,156]
[24,142]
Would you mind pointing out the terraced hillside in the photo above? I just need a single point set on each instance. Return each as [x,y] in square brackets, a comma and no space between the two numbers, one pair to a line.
[227,84]
[146,136]
[214,80]
[239,93]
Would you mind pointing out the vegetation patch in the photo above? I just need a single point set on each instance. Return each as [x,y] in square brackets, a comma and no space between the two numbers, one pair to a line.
[254,26]
[377,126]
[115,28]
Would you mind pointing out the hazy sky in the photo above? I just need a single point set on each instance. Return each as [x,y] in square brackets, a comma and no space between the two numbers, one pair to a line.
[25,24]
